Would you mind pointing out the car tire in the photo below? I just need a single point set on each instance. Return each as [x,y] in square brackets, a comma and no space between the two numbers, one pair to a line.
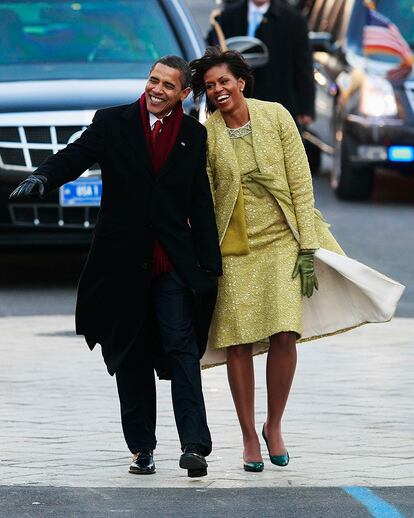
[353,182]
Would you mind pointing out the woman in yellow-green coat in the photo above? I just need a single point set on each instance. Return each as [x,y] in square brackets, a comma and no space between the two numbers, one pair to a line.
[270,234]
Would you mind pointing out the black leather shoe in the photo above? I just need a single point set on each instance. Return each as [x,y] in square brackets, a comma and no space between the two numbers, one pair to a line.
[194,461]
[143,464]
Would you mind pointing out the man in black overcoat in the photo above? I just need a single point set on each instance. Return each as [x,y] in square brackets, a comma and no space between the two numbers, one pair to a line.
[288,76]
[148,289]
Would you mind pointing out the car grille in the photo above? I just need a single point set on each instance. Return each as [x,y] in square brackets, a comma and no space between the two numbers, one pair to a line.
[24,148]
[52,216]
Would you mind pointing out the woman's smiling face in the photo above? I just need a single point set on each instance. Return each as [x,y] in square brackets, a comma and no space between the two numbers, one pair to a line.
[223,89]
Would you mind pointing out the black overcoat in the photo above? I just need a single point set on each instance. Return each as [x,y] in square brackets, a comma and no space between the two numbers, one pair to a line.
[114,298]
[288,76]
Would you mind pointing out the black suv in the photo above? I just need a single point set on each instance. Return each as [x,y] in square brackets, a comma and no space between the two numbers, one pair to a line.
[60,61]
[363,119]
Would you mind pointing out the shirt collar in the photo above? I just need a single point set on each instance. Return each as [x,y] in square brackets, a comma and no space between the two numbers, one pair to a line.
[260,9]
[153,119]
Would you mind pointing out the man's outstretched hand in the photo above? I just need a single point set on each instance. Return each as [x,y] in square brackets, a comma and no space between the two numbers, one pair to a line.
[32,187]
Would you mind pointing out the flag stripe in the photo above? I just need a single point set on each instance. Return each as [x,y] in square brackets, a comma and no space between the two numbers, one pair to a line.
[386,42]
[371,33]
[381,36]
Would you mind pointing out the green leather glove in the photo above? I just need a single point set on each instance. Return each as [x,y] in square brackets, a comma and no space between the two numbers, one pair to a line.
[304,265]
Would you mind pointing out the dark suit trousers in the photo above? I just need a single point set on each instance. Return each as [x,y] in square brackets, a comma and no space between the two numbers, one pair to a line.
[173,304]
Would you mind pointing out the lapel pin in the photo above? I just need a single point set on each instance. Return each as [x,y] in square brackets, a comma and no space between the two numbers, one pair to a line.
[183,143]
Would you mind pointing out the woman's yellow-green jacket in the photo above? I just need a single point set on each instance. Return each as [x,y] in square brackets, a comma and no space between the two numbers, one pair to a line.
[284,172]
[350,293]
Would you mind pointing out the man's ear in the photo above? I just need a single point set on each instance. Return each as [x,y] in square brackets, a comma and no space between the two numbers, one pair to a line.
[184,93]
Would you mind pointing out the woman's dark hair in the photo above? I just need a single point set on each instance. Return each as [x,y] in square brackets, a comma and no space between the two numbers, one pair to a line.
[213,57]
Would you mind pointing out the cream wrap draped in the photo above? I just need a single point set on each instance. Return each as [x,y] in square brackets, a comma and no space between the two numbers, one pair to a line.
[350,294]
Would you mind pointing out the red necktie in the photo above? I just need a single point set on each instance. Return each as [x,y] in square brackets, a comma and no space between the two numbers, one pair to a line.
[156,131]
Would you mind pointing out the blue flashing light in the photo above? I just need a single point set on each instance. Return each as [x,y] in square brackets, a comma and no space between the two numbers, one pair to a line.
[401,153]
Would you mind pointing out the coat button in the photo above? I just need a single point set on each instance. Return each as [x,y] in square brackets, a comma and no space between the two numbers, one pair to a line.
[145,266]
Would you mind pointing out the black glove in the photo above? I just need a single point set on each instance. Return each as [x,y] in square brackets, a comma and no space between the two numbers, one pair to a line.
[32,187]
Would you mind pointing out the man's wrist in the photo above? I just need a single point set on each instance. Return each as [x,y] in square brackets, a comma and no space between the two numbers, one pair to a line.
[42,178]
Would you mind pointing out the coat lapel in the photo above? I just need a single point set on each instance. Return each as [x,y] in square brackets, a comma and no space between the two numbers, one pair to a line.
[263,133]
[180,148]
[243,20]
[134,134]
[223,158]
[227,157]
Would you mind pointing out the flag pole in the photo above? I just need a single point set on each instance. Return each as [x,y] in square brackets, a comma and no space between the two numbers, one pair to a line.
[369,4]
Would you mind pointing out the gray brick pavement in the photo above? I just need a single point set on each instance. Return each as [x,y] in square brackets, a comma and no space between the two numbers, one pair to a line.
[349,421]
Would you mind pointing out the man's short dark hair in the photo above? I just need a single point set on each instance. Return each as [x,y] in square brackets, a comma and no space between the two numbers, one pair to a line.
[177,63]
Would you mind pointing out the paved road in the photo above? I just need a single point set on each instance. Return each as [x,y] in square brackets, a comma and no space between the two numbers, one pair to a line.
[189,503]
[348,424]
[201,10]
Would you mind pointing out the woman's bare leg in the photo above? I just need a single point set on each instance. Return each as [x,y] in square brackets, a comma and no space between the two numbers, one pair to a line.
[240,373]
[280,369]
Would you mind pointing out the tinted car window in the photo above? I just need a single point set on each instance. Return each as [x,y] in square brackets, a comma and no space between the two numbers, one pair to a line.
[400,12]
[90,39]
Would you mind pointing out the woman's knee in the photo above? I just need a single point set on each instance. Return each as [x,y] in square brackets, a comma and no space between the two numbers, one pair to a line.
[239,351]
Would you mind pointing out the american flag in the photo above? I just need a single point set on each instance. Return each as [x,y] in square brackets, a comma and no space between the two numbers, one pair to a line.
[381,36]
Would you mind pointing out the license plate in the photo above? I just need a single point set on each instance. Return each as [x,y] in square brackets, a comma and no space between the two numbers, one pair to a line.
[84,192]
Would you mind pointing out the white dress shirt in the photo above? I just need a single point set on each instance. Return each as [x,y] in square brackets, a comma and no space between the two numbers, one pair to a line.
[255,16]
[153,119]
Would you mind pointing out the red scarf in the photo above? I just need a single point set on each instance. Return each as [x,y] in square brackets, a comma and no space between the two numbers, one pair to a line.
[166,139]
[165,142]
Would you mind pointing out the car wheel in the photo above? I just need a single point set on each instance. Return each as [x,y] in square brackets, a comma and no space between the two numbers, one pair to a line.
[351,182]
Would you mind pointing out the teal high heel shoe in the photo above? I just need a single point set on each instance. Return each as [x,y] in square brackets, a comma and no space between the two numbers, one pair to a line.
[278,460]
[254,467]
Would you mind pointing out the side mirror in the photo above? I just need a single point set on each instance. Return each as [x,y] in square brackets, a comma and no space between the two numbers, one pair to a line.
[254,51]
[320,41]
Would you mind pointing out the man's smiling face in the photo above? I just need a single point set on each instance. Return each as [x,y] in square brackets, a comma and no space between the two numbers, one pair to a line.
[164,90]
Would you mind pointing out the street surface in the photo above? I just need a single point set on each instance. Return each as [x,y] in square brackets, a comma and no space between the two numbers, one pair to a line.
[348,422]
[201,10]
[348,425]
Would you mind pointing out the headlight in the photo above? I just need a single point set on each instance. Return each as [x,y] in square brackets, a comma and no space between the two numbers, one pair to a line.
[378,99]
